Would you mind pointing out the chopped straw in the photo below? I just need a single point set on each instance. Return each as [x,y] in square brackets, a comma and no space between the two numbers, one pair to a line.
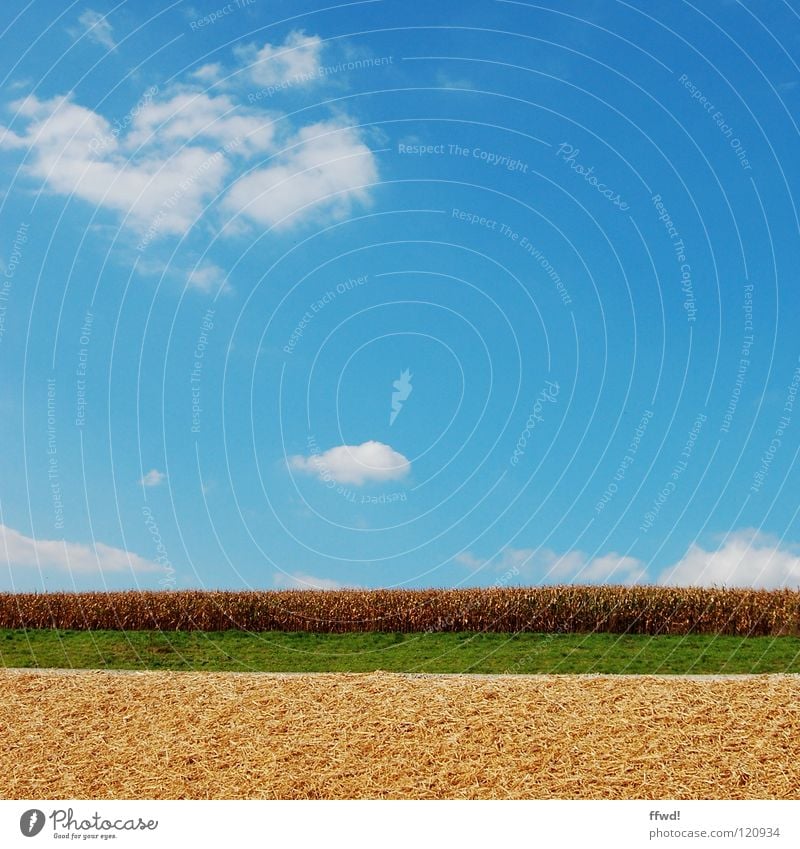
[167,735]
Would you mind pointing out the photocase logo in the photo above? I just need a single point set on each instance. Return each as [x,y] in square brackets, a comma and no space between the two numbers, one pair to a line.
[31,822]
[403,389]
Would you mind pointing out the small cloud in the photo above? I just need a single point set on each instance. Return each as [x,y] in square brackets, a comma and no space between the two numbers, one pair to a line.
[207,278]
[294,61]
[356,464]
[17,550]
[300,581]
[153,478]
[97,28]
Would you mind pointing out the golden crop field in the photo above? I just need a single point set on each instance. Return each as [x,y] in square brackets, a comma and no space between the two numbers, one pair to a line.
[554,609]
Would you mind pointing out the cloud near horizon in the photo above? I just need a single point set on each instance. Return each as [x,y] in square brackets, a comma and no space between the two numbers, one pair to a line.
[746,558]
[18,550]
[369,462]
[300,581]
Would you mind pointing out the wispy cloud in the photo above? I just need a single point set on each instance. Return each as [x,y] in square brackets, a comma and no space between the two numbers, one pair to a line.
[466,558]
[208,73]
[97,28]
[17,550]
[355,464]
[207,277]
[295,60]
[300,581]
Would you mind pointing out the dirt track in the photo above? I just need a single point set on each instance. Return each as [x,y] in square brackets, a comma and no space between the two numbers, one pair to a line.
[218,735]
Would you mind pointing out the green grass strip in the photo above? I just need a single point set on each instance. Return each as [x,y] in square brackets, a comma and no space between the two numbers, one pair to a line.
[273,651]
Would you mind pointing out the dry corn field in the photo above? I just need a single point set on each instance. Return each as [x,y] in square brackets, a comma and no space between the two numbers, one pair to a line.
[169,735]
[565,609]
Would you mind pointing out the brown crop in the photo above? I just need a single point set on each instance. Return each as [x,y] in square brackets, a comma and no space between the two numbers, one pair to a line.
[562,609]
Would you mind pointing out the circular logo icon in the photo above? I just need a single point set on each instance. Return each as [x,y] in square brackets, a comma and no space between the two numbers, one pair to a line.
[31,822]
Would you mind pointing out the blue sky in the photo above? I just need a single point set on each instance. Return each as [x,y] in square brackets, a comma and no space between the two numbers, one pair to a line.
[376,295]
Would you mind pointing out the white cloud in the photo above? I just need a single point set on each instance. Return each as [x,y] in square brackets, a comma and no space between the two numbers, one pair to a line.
[153,478]
[296,60]
[325,168]
[10,140]
[17,550]
[188,116]
[544,566]
[356,464]
[614,569]
[75,151]
[300,581]
[97,28]
[177,152]
[209,73]
[747,558]
[207,278]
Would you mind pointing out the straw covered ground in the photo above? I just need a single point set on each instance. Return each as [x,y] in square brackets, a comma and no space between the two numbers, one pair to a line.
[159,735]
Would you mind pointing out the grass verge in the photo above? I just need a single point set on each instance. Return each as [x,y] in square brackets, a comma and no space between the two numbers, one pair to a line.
[440,653]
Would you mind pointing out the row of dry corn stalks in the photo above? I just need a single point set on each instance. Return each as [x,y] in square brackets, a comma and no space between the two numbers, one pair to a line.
[565,609]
